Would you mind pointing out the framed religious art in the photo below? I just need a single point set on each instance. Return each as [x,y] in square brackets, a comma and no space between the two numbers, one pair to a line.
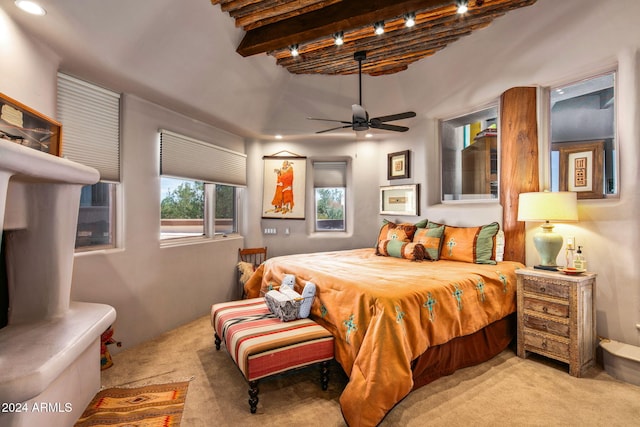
[283,193]
[581,168]
[398,165]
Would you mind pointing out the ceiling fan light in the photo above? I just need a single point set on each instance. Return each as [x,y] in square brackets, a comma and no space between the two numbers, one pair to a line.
[378,27]
[463,6]
[410,20]
[294,50]
[338,38]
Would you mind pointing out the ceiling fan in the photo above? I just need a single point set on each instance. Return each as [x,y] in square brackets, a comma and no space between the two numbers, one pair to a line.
[360,118]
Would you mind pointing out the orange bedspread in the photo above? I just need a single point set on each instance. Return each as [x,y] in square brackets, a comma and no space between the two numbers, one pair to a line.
[384,312]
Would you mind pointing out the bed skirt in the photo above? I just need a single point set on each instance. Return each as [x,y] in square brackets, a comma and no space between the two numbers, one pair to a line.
[462,352]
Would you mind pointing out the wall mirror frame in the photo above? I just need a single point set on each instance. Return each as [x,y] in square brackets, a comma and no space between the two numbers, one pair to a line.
[25,126]
[583,140]
[469,147]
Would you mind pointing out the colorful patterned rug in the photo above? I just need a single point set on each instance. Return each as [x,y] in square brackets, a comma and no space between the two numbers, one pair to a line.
[159,405]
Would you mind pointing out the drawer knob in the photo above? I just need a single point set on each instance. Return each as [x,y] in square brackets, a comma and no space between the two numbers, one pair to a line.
[543,289]
[544,344]
[545,309]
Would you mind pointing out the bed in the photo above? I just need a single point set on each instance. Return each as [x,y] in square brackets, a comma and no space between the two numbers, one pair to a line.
[400,323]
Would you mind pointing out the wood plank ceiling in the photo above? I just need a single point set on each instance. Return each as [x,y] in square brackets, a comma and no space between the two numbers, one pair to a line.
[272,26]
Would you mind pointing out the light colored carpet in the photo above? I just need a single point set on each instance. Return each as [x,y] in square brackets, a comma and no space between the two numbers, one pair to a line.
[505,391]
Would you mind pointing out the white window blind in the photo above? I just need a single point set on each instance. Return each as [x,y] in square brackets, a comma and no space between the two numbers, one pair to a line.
[329,174]
[90,117]
[184,157]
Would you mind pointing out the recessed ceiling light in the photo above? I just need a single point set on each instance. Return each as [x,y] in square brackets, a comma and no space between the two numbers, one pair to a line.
[338,38]
[278,136]
[368,135]
[31,7]
[294,50]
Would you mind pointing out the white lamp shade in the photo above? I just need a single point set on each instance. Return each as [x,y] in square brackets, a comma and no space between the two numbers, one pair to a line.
[548,206]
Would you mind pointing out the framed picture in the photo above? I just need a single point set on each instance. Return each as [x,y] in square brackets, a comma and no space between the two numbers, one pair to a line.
[25,126]
[283,193]
[400,200]
[398,165]
[581,168]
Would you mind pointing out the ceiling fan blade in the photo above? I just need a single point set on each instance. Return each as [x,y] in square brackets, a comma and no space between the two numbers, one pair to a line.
[394,128]
[339,127]
[329,120]
[393,117]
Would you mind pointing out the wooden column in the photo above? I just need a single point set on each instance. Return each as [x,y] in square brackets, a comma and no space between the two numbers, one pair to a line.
[518,163]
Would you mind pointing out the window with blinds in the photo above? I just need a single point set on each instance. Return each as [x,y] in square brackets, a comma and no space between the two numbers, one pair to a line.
[330,187]
[90,117]
[199,187]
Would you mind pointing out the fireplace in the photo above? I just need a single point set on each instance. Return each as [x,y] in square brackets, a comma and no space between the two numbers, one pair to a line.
[50,345]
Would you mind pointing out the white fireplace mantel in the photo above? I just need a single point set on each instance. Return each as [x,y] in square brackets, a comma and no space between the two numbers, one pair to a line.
[50,349]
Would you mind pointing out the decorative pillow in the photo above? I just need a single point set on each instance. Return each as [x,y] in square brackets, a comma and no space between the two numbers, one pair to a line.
[469,244]
[422,223]
[431,239]
[388,226]
[396,248]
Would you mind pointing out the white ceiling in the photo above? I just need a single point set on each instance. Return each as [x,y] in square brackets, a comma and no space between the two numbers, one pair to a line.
[181,54]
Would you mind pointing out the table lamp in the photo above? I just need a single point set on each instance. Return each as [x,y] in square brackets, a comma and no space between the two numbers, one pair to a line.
[548,206]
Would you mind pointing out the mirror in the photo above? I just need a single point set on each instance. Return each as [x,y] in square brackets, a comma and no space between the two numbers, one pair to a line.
[583,140]
[469,146]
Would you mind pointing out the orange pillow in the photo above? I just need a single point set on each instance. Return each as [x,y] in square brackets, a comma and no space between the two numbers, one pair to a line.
[391,230]
[469,244]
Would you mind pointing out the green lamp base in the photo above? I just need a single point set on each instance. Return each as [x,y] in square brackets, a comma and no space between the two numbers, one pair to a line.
[548,245]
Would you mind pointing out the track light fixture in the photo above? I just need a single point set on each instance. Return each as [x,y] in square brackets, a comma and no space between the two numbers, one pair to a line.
[294,50]
[378,27]
[410,20]
[338,38]
[463,6]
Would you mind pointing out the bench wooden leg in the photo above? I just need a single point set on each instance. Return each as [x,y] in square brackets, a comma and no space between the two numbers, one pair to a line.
[253,396]
[324,375]
[218,341]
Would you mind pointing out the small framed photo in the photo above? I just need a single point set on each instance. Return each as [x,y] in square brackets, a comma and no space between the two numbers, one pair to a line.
[398,165]
[400,200]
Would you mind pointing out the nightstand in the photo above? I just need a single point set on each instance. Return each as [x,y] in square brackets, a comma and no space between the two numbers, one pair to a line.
[556,317]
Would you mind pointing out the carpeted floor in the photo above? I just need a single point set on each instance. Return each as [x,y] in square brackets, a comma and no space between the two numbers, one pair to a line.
[506,391]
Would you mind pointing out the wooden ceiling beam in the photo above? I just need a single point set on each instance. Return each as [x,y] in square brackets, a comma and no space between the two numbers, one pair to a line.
[320,23]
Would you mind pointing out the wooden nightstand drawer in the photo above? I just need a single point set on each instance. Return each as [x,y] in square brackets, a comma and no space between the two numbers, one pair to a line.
[546,325]
[545,345]
[546,307]
[546,287]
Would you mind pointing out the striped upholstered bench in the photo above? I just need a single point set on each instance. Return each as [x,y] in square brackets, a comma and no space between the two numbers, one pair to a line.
[261,345]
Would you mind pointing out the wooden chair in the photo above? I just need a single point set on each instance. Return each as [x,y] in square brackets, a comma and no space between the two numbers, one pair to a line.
[255,256]
[252,256]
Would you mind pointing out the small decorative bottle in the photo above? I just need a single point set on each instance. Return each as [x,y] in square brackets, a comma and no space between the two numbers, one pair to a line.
[579,262]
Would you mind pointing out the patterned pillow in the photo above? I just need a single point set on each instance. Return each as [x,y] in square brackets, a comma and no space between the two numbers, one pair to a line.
[388,226]
[431,239]
[469,244]
[407,250]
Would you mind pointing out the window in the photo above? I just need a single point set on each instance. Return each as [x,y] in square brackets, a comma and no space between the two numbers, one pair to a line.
[199,187]
[181,208]
[583,139]
[329,179]
[90,116]
[183,213]
[469,147]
